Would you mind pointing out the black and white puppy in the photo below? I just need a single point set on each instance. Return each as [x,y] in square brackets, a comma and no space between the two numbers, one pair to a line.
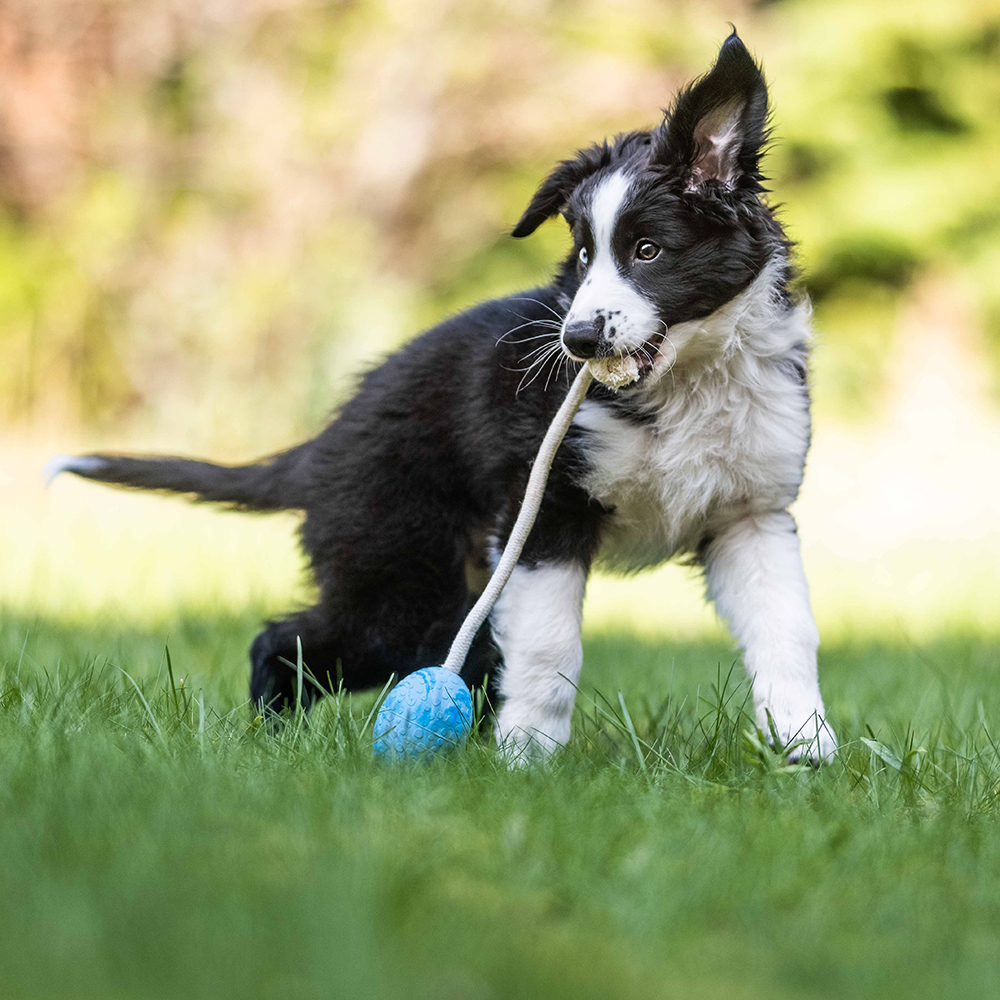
[678,276]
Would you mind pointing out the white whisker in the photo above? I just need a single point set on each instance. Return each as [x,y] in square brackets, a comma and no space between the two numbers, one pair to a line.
[538,364]
[526,340]
[545,349]
[528,298]
[553,370]
[538,350]
[530,322]
[673,360]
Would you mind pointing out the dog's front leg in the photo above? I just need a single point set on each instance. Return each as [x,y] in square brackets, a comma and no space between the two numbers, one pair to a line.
[536,624]
[756,579]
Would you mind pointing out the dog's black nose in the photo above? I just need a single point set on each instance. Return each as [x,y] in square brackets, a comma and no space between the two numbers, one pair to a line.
[581,339]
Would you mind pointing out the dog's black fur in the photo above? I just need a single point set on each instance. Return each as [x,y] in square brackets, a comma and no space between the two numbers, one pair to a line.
[429,459]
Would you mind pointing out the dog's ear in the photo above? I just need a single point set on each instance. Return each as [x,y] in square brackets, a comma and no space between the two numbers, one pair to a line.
[554,192]
[714,134]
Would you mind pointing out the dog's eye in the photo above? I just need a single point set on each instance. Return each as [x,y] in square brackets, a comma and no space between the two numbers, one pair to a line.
[646,250]
[584,256]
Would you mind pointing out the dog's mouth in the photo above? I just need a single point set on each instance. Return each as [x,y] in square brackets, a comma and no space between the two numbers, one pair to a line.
[647,353]
[629,368]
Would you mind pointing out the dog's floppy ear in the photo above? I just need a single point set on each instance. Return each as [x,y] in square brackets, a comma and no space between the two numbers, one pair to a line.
[715,132]
[554,192]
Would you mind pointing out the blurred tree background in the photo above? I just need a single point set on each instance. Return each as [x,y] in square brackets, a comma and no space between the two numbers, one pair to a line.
[213,212]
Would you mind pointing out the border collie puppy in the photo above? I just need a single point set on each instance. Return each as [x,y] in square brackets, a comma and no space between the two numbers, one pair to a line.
[680,274]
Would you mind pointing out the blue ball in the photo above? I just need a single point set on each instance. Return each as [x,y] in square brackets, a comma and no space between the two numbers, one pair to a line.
[428,711]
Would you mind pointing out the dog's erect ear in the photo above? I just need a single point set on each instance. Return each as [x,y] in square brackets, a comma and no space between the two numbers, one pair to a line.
[554,192]
[718,125]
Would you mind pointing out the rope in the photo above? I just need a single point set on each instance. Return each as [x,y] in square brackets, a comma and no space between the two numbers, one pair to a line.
[525,520]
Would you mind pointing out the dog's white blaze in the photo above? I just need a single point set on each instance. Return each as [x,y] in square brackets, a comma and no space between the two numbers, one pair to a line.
[604,291]
[536,624]
[605,205]
[69,463]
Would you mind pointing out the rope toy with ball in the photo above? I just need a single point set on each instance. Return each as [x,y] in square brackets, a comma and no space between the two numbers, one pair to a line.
[431,709]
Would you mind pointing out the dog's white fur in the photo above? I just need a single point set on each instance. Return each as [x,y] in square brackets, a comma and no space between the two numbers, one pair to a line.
[728,435]
[536,623]
[69,463]
[721,458]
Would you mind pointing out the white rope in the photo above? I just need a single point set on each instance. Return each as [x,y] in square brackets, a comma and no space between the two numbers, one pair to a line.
[525,520]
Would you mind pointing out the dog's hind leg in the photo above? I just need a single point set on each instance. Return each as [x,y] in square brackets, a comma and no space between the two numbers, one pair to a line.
[359,645]
[273,657]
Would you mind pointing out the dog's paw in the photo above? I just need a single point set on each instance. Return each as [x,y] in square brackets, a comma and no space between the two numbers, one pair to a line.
[804,737]
[524,740]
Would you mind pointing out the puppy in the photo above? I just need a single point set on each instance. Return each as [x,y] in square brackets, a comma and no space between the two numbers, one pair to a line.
[679,276]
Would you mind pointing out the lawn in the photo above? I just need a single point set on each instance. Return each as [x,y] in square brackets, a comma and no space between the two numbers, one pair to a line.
[224,249]
[157,842]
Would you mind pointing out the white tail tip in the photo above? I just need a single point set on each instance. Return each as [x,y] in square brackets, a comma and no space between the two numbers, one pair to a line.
[69,463]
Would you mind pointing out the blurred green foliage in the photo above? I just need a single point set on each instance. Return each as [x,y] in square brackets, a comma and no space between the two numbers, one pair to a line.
[212,215]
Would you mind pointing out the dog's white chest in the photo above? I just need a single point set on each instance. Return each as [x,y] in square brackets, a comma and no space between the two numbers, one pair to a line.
[698,462]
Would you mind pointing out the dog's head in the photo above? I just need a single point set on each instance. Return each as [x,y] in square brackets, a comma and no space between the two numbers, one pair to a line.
[668,225]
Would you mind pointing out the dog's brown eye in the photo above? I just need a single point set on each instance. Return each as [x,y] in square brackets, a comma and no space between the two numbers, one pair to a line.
[584,256]
[646,250]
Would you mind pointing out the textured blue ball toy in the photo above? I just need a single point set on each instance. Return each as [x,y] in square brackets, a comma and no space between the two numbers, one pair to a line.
[427,711]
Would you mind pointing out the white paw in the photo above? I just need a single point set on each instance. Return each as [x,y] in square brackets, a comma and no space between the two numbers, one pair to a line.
[524,739]
[804,734]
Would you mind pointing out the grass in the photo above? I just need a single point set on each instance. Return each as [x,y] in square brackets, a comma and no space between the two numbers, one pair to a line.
[155,841]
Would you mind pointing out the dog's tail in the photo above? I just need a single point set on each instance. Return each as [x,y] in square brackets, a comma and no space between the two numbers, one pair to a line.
[279,482]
